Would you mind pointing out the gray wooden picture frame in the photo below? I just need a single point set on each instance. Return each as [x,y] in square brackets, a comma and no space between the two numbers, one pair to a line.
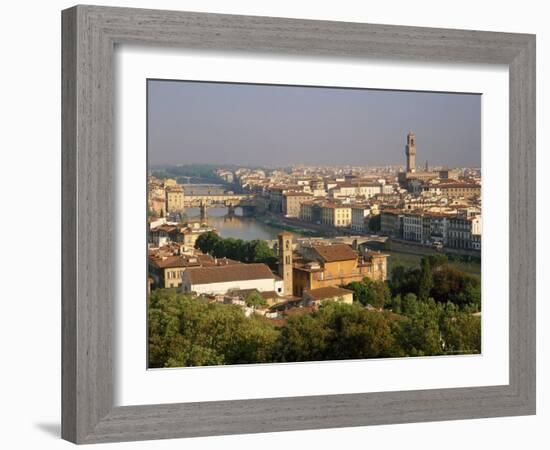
[89,37]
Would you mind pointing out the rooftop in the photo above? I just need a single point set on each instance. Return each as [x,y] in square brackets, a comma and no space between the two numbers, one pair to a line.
[231,272]
[335,252]
[170,262]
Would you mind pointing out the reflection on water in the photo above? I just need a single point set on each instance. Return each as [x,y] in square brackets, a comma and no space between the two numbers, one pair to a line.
[235,226]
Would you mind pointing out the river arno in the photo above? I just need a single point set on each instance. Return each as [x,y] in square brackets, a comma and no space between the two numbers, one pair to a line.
[236,226]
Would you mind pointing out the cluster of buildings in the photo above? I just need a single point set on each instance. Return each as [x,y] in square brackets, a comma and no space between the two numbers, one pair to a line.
[164,196]
[308,273]
[439,207]
[457,229]
[444,209]
[322,196]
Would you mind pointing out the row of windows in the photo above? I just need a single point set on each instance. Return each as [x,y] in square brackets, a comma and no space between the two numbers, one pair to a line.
[342,222]
[171,274]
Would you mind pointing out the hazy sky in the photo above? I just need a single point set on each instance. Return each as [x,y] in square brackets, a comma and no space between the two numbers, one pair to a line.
[247,124]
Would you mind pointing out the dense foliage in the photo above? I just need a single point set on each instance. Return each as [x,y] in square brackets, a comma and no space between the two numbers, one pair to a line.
[185,331]
[256,251]
[368,292]
[437,279]
[374,223]
[336,331]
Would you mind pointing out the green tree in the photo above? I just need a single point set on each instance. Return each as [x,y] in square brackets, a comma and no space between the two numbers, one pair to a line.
[395,304]
[425,283]
[454,285]
[254,300]
[419,334]
[337,331]
[374,223]
[404,281]
[409,303]
[184,331]
[260,252]
[397,279]
[256,251]
[302,338]
[461,331]
[359,291]
[369,292]
[437,260]
[207,241]
[356,333]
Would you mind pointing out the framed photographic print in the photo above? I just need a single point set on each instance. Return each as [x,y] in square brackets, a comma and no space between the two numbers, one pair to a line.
[276,224]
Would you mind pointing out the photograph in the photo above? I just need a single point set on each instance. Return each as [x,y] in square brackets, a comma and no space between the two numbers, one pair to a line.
[291,224]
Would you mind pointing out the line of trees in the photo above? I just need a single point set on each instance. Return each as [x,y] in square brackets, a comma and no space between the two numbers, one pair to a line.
[256,251]
[184,331]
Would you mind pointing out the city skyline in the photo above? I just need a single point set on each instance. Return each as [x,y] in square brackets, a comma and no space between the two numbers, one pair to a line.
[277,126]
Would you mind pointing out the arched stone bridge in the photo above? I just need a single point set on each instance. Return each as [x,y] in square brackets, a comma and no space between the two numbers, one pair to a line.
[229,201]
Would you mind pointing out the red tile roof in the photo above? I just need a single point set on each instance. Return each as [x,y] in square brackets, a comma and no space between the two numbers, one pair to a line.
[231,272]
[171,262]
[335,252]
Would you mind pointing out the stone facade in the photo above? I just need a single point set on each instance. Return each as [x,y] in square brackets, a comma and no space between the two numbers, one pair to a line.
[321,266]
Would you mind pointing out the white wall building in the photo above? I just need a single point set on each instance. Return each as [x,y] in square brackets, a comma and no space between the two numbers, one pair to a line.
[359,214]
[370,189]
[412,227]
[221,279]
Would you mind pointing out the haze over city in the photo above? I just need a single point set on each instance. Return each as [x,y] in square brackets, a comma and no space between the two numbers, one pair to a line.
[266,125]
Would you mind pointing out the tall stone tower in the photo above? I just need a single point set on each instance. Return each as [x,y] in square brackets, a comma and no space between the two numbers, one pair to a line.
[285,261]
[410,151]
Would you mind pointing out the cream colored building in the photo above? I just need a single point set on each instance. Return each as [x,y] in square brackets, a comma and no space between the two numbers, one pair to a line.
[292,202]
[156,199]
[174,199]
[465,190]
[336,215]
[328,294]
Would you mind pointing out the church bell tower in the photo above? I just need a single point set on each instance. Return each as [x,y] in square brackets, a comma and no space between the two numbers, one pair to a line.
[410,151]
[285,261]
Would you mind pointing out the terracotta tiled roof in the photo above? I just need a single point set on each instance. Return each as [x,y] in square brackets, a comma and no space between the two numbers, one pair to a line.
[170,262]
[164,227]
[336,252]
[231,272]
